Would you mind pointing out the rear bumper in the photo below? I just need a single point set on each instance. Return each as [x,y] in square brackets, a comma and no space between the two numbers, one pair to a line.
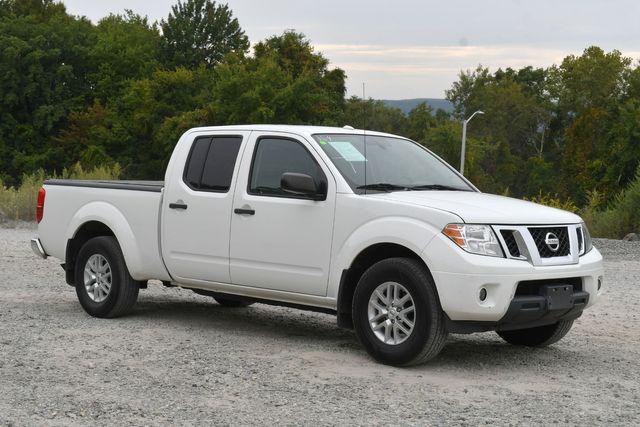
[36,247]
[460,278]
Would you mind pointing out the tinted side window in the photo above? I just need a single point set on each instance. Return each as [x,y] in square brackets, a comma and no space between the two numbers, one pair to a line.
[211,163]
[195,162]
[275,156]
[218,168]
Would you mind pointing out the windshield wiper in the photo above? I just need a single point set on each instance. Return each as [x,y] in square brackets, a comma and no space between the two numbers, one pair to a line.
[437,187]
[382,186]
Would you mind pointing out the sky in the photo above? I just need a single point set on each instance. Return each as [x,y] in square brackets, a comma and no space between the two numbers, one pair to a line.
[412,48]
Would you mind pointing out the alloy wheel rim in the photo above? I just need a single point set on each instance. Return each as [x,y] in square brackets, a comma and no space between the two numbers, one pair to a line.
[391,313]
[97,278]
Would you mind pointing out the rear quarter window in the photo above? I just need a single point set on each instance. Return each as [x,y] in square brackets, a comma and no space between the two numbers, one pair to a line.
[211,163]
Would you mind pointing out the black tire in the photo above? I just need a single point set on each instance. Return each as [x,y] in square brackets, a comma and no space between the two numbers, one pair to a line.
[541,336]
[124,289]
[429,333]
[232,303]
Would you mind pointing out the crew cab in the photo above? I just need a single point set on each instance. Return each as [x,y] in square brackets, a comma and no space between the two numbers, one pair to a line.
[371,227]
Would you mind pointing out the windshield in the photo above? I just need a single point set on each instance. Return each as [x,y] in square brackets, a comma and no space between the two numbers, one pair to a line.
[393,164]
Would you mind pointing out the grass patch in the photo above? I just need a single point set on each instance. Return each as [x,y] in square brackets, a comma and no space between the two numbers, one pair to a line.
[620,218]
[19,203]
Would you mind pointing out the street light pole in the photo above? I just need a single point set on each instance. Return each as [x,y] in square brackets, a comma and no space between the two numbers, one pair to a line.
[464,139]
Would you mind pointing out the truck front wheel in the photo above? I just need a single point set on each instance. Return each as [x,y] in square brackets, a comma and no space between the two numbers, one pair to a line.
[103,284]
[541,336]
[397,314]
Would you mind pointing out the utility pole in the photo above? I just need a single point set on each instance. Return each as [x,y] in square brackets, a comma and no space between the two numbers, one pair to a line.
[464,139]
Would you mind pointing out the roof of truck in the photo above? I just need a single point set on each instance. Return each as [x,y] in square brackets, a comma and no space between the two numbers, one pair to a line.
[296,129]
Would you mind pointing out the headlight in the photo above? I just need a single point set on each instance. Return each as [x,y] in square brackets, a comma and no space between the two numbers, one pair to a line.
[585,244]
[474,238]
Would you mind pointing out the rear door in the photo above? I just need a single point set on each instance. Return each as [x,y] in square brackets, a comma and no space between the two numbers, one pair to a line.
[197,208]
[280,241]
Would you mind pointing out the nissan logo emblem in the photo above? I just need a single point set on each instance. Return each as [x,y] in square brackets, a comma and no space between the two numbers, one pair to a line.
[552,242]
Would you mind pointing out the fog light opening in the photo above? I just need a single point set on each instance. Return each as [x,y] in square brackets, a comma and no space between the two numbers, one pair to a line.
[483,294]
[599,283]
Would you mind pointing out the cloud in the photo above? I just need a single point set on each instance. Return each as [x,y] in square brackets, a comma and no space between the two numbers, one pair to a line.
[429,66]
[391,68]
[415,47]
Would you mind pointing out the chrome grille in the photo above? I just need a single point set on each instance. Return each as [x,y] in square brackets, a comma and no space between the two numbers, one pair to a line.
[540,234]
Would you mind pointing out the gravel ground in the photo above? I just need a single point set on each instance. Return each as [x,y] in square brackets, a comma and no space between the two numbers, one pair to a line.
[182,359]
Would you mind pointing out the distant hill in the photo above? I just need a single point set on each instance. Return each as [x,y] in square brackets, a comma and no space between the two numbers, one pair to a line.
[407,105]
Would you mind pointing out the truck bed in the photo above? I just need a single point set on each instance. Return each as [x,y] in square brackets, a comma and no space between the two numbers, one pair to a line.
[130,209]
[154,186]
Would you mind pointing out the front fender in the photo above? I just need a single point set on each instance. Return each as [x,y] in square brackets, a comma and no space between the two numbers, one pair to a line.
[408,232]
[110,216]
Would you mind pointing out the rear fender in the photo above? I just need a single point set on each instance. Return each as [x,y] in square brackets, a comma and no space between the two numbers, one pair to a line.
[110,216]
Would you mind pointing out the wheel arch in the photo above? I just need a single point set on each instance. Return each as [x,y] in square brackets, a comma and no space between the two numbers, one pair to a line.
[365,259]
[94,220]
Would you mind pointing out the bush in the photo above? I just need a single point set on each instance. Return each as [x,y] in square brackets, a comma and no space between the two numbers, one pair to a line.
[20,203]
[620,218]
[554,201]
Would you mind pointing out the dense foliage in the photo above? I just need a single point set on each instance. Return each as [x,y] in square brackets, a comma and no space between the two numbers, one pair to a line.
[121,91]
[573,128]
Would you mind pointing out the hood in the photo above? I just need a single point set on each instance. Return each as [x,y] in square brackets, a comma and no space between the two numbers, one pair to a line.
[484,208]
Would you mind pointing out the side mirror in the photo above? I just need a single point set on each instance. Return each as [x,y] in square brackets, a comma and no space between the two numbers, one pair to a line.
[303,185]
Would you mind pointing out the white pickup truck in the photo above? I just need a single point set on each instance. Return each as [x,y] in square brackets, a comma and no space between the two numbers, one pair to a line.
[369,226]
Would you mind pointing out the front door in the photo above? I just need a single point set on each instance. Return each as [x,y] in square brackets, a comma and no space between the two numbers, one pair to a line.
[281,241]
[197,207]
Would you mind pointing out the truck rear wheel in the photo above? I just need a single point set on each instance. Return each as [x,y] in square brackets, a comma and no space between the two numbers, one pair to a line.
[397,314]
[103,284]
[541,336]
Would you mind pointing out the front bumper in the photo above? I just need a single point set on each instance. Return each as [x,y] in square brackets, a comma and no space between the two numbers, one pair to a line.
[554,301]
[460,277]
[36,247]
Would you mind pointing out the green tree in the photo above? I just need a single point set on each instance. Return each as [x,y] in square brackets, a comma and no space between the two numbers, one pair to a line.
[532,80]
[44,64]
[201,32]
[90,136]
[516,111]
[463,90]
[623,145]
[262,88]
[127,47]
[144,107]
[594,79]
[419,120]
[295,56]
[38,9]
[374,115]
[445,140]
[516,126]
[634,83]
[596,128]
[134,130]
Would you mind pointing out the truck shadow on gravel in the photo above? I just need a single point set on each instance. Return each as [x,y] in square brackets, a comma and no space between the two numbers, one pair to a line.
[258,319]
[295,328]
[486,350]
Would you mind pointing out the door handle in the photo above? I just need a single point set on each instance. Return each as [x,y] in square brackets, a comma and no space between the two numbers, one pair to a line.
[244,211]
[177,206]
